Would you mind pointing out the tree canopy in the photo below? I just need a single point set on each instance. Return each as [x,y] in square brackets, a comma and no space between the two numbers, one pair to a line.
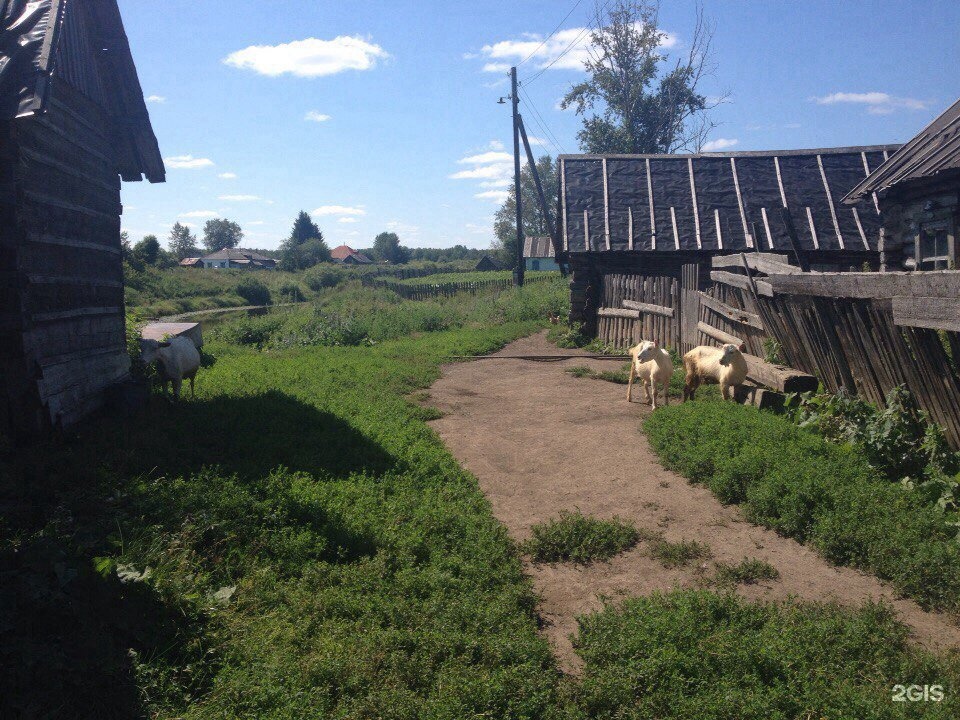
[147,250]
[182,242]
[305,247]
[633,101]
[221,233]
[534,221]
[387,247]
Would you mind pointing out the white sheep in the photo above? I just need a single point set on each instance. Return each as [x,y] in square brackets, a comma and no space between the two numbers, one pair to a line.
[704,364]
[176,359]
[652,365]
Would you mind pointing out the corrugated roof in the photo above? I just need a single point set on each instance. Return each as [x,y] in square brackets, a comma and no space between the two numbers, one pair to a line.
[238,255]
[935,150]
[713,201]
[84,45]
[538,246]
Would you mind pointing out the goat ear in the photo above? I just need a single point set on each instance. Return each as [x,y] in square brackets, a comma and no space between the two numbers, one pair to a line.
[743,347]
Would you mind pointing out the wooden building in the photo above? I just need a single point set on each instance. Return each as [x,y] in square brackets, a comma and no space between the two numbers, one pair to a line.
[538,253]
[644,218]
[73,123]
[918,192]
[487,264]
[237,258]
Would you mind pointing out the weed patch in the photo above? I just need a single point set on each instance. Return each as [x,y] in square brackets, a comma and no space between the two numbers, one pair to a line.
[677,554]
[579,538]
[745,572]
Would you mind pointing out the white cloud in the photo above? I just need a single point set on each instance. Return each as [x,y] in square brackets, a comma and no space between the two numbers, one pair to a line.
[240,198]
[317,117]
[573,43]
[310,57]
[719,144]
[199,214]
[497,195]
[339,210]
[499,182]
[402,228]
[495,171]
[188,162]
[158,99]
[227,176]
[497,145]
[255,222]
[878,103]
[347,220]
[491,156]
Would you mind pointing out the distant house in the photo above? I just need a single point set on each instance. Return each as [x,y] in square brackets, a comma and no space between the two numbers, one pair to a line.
[488,263]
[192,262]
[348,256]
[238,258]
[538,253]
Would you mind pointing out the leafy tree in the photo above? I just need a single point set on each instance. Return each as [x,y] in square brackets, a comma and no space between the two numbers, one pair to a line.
[386,246]
[304,228]
[534,221]
[147,250]
[632,101]
[182,242]
[299,256]
[221,233]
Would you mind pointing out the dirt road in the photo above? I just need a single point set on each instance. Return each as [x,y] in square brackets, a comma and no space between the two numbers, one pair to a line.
[541,441]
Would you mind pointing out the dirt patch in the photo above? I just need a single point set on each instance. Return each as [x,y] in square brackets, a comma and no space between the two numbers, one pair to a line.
[541,441]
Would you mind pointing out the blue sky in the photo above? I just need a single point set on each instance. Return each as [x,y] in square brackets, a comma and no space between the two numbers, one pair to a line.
[383,115]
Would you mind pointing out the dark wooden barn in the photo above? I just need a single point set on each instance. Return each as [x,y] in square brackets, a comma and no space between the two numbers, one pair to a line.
[918,192]
[72,123]
[643,218]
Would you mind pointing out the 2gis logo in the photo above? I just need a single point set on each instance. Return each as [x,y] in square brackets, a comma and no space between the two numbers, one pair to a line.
[917,693]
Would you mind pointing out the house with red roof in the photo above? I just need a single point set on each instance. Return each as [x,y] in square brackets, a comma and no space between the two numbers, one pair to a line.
[348,256]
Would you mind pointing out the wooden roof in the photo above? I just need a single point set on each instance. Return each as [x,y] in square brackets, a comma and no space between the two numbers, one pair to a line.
[537,246]
[712,201]
[935,150]
[84,45]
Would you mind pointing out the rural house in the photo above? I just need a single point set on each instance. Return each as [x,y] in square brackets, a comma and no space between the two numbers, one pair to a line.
[538,253]
[238,258]
[644,218]
[194,262]
[918,193]
[487,264]
[348,256]
[73,123]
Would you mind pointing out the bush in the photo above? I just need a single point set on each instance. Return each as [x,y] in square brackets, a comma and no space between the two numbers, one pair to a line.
[577,537]
[324,277]
[291,292]
[747,572]
[253,291]
[816,492]
[677,554]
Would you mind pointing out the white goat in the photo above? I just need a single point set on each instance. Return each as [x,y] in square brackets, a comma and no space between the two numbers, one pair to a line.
[724,365]
[176,360]
[652,365]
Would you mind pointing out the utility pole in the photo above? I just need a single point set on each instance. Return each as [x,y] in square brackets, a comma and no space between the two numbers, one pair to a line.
[515,99]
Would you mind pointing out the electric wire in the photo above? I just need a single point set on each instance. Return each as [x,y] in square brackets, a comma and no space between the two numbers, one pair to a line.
[544,42]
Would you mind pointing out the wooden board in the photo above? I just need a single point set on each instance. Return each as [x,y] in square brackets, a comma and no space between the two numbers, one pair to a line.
[778,377]
[870,285]
[648,308]
[618,313]
[719,335]
[768,263]
[731,313]
[937,313]
[743,282]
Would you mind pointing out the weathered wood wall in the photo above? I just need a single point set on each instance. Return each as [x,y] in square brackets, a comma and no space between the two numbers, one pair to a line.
[68,267]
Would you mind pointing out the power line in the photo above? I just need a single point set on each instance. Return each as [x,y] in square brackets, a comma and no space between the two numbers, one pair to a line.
[570,46]
[544,42]
[542,124]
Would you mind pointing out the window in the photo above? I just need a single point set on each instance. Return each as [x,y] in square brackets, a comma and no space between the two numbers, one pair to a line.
[536,264]
[935,249]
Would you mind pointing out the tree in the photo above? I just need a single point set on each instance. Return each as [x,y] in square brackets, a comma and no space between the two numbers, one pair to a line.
[387,247]
[642,106]
[147,250]
[534,221]
[221,233]
[182,242]
[304,228]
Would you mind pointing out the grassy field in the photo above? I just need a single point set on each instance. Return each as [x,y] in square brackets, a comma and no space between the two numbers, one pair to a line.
[467,277]
[297,543]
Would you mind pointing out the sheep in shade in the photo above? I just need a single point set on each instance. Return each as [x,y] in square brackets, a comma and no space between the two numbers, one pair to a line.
[704,364]
[652,365]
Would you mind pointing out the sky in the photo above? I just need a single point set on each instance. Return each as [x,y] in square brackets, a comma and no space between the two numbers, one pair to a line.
[377,116]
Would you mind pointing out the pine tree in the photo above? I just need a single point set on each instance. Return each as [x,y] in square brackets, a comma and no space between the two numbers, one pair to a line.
[304,228]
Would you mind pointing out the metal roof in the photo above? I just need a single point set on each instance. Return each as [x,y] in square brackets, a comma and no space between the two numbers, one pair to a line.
[537,246]
[935,150]
[83,45]
[715,201]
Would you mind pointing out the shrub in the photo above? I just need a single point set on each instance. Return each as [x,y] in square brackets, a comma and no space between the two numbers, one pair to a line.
[253,291]
[324,277]
[291,292]
[827,495]
[677,554]
[577,537]
[747,572]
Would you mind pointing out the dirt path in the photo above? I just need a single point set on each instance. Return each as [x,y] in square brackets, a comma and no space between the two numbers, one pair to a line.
[541,441]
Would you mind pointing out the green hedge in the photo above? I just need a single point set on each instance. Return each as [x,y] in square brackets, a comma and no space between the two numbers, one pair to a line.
[826,495]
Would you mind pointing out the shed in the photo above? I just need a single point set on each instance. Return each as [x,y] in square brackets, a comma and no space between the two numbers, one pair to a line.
[73,123]
[487,263]
[538,253]
[238,258]
[192,262]
[918,191]
[652,215]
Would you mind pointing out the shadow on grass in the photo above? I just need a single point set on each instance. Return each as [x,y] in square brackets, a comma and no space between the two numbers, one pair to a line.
[67,630]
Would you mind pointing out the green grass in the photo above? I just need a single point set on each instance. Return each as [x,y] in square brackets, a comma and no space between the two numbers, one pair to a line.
[746,572]
[677,554]
[477,276]
[804,487]
[697,654]
[579,538]
[620,377]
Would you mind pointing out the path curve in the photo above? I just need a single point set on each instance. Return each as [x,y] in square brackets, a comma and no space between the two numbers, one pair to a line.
[541,441]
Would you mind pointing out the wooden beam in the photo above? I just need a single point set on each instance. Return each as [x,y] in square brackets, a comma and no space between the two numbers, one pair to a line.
[718,335]
[929,283]
[937,313]
[769,263]
[778,377]
[740,281]
[618,313]
[731,313]
[648,308]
